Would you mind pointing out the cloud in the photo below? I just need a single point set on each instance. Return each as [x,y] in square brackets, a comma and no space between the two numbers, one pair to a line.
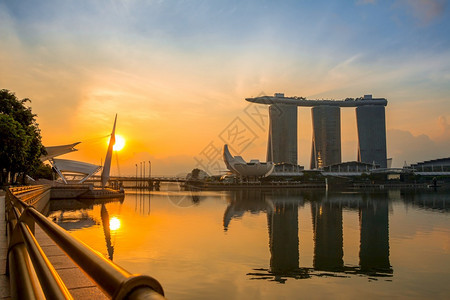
[425,11]
[444,127]
[404,146]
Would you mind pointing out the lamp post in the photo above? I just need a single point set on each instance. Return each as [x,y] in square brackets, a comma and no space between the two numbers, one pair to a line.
[140,184]
[150,170]
[143,175]
[136,177]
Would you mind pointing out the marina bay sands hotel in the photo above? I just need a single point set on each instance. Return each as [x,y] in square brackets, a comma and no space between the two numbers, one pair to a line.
[326,138]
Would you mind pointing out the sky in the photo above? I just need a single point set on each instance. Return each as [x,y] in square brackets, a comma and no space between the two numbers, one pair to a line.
[177,74]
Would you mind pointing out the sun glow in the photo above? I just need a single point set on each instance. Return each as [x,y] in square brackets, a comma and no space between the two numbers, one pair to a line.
[114,223]
[120,143]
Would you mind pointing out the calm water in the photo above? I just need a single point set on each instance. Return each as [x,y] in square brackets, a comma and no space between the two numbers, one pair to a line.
[280,244]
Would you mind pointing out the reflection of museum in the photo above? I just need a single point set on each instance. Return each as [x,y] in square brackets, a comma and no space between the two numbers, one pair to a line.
[326,211]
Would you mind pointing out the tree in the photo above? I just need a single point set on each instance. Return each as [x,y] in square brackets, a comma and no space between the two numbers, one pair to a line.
[20,139]
[44,171]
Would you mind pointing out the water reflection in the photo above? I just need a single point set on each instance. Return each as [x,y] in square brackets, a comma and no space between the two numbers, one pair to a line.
[374,227]
[74,214]
[435,201]
[199,242]
[328,240]
[242,201]
[142,202]
[282,222]
[282,208]
[107,231]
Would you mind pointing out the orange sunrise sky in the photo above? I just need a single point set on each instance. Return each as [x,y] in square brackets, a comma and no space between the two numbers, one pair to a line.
[177,73]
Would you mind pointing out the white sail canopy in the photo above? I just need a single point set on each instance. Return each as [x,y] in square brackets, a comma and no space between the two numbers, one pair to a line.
[66,165]
[55,151]
[74,168]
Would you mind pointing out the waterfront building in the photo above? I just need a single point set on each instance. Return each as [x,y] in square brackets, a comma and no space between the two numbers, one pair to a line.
[282,141]
[326,137]
[238,166]
[326,143]
[440,166]
[371,126]
[285,169]
[69,170]
[349,168]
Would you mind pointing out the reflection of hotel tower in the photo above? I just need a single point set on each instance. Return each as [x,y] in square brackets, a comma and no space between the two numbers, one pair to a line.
[374,226]
[283,234]
[282,217]
[328,241]
[328,235]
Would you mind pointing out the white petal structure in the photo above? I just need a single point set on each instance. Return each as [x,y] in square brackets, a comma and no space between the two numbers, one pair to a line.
[73,167]
[54,151]
[237,165]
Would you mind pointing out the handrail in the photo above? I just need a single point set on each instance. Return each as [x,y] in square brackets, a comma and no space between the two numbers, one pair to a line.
[55,288]
[41,279]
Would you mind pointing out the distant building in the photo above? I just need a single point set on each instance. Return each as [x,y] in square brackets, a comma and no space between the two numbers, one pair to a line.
[238,166]
[326,137]
[371,124]
[326,142]
[284,169]
[436,165]
[350,167]
[282,141]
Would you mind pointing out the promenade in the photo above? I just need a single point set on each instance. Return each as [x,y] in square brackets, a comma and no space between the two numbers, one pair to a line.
[78,284]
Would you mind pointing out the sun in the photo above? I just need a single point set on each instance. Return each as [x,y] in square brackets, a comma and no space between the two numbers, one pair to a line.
[120,143]
[114,223]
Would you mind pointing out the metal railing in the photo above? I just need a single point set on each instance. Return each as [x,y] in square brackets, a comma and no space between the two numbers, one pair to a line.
[32,276]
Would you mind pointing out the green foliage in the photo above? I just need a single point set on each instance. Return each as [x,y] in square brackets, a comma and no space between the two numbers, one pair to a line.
[20,139]
[13,140]
[43,172]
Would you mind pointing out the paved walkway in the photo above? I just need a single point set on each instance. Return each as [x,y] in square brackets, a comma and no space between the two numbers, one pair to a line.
[78,284]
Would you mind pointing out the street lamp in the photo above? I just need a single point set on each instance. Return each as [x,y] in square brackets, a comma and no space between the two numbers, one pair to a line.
[136,176]
[149,170]
[143,175]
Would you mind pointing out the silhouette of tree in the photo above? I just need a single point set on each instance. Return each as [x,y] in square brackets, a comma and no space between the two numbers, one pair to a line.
[20,139]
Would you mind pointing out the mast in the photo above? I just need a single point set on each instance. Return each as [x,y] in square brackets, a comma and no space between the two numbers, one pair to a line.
[107,165]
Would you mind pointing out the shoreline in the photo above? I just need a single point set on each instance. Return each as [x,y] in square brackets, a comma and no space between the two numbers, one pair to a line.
[282,185]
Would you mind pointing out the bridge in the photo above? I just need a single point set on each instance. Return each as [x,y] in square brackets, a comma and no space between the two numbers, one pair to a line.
[96,178]
[151,183]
